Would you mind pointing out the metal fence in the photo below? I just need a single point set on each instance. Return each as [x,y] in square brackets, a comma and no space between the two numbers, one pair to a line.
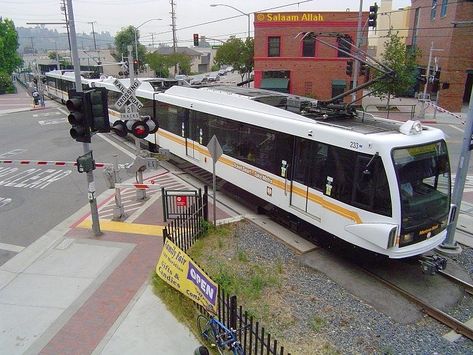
[187,219]
[251,334]
[184,228]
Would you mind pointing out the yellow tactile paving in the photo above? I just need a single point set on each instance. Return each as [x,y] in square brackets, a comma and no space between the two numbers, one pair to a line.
[134,228]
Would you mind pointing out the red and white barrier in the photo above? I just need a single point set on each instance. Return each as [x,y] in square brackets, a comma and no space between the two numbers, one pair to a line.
[48,163]
[438,108]
[140,186]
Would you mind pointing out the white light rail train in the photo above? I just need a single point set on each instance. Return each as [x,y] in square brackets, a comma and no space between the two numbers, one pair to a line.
[378,184]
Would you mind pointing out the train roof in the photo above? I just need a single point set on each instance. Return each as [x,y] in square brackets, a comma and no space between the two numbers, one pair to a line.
[275,103]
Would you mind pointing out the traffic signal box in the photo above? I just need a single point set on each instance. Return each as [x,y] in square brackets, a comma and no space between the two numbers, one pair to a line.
[196,39]
[99,108]
[349,69]
[78,116]
[372,16]
[88,113]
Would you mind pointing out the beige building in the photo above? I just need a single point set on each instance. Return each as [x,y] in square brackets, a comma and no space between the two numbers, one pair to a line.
[388,18]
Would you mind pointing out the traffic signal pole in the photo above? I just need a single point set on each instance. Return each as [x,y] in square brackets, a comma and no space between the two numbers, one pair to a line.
[358,45]
[86,146]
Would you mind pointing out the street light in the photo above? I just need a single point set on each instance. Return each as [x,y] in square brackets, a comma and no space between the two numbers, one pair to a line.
[241,12]
[136,30]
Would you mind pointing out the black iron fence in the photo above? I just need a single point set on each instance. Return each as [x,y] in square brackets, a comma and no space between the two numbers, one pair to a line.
[188,212]
[250,333]
[186,225]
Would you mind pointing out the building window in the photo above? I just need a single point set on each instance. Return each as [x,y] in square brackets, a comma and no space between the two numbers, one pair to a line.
[338,88]
[416,28]
[433,12]
[443,10]
[308,46]
[274,46]
[344,45]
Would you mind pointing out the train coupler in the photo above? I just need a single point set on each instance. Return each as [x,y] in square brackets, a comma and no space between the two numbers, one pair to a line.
[431,264]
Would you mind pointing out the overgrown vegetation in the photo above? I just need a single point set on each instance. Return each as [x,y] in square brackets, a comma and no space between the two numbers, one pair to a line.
[260,285]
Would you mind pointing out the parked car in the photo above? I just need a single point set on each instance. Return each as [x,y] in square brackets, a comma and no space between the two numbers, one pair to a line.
[222,72]
[213,77]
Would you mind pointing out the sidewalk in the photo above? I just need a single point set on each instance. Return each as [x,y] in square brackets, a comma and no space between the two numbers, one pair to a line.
[73,293]
[19,101]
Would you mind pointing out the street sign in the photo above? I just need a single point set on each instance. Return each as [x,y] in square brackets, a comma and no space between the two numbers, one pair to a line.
[215,148]
[181,201]
[130,116]
[128,94]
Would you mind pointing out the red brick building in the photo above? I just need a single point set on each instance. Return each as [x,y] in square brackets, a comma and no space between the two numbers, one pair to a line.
[285,62]
[448,26]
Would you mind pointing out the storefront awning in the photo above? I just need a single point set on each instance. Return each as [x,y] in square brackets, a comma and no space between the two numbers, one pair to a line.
[339,83]
[275,84]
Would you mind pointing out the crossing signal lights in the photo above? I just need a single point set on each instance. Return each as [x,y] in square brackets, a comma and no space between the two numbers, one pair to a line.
[99,109]
[349,69]
[119,127]
[139,128]
[372,16]
[78,116]
[196,39]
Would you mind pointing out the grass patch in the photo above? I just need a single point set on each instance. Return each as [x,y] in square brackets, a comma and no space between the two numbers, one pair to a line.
[258,283]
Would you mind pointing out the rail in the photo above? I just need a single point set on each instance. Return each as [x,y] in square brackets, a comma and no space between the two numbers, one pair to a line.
[468,287]
[433,312]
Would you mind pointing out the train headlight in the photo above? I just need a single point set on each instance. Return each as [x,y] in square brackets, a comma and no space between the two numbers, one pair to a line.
[406,238]
[411,127]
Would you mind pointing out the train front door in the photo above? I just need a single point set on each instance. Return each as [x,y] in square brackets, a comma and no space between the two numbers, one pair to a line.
[307,177]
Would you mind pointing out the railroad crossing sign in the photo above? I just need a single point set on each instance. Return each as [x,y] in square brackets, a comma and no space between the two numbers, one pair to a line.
[128,95]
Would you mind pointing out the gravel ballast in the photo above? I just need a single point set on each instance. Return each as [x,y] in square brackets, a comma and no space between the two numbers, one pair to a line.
[321,308]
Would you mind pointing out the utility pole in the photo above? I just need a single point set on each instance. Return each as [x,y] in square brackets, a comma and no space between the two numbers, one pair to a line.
[63,8]
[449,246]
[86,146]
[174,37]
[356,64]
[93,34]
[427,79]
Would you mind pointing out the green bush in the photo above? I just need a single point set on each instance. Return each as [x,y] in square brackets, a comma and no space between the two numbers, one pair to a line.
[6,84]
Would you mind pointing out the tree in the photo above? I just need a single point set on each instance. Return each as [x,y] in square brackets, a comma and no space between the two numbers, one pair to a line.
[159,63]
[183,60]
[126,37]
[236,53]
[402,61]
[9,58]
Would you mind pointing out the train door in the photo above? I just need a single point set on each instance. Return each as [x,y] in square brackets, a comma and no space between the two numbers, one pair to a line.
[307,176]
[193,134]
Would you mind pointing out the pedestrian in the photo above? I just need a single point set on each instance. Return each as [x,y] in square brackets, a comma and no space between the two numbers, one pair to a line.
[36,97]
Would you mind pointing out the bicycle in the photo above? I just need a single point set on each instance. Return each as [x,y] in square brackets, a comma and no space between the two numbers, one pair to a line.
[218,335]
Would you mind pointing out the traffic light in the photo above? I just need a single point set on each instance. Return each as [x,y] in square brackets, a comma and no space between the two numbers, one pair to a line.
[349,69]
[78,117]
[373,15]
[99,108]
[196,40]
[364,69]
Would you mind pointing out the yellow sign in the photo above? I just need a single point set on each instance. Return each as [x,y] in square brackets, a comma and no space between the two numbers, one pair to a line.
[289,17]
[178,270]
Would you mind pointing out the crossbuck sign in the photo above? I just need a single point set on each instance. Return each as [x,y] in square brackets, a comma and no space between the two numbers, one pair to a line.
[128,95]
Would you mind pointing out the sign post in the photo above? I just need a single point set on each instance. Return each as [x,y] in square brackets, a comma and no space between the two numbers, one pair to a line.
[216,151]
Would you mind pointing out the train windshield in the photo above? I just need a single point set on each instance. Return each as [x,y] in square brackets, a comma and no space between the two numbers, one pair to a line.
[423,174]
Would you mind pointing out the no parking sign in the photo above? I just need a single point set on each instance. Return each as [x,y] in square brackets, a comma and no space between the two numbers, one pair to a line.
[181,201]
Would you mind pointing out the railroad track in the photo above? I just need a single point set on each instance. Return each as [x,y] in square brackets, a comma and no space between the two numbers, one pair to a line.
[432,311]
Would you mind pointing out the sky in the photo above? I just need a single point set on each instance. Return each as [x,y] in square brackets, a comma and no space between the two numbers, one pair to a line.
[192,16]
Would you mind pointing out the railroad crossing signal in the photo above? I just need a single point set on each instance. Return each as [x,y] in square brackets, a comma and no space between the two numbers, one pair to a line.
[78,116]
